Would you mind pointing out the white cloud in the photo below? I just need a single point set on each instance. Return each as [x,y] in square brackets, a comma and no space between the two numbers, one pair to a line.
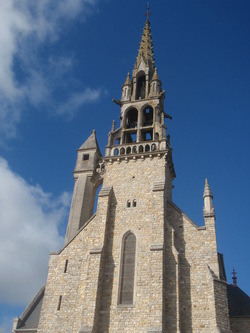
[24,26]
[6,324]
[29,220]
[79,99]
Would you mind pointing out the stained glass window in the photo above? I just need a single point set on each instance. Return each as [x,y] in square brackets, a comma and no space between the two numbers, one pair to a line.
[128,269]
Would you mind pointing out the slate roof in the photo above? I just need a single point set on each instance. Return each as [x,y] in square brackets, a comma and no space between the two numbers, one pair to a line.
[28,322]
[90,143]
[238,302]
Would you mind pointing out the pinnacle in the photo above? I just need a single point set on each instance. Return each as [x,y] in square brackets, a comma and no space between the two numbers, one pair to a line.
[207,190]
[155,76]
[128,80]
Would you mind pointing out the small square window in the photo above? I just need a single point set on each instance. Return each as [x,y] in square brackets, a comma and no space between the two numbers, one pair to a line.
[85,157]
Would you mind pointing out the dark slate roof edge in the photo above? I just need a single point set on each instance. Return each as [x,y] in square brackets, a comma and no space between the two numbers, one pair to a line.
[238,302]
[32,305]
[240,317]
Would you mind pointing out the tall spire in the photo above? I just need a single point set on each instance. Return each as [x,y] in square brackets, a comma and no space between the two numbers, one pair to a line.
[146,48]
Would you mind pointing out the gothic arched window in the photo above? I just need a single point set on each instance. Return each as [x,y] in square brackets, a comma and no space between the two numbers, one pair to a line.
[126,294]
[141,86]
[131,118]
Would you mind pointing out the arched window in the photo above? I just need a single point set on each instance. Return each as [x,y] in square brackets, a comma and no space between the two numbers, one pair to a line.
[147,116]
[140,87]
[140,149]
[128,150]
[126,294]
[131,118]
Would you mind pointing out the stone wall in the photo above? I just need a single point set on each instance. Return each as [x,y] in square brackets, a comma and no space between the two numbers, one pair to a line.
[135,180]
[193,250]
[176,262]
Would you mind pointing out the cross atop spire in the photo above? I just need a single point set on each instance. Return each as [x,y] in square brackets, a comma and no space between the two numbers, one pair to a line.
[148,13]
[234,278]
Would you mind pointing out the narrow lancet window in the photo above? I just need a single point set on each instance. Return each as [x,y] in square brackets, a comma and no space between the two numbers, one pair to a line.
[66,266]
[59,303]
[127,269]
[140,89]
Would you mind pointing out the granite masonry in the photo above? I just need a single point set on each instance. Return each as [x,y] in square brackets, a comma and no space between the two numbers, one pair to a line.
[139,264]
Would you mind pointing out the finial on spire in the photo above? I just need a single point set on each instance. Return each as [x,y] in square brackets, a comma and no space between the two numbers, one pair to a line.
[148,13]
[234,278]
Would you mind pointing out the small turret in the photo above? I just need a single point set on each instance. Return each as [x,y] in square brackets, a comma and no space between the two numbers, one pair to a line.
[208,209]
[86,182]
[155,85]
[88,154]
[127,89]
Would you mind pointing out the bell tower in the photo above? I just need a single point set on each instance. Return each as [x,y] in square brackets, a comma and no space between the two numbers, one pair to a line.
[142,130]
[139,264]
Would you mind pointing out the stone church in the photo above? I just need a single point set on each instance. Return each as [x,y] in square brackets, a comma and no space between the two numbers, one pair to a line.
[139,264]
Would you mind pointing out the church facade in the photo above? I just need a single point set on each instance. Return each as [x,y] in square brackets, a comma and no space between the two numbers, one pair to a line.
[139,264]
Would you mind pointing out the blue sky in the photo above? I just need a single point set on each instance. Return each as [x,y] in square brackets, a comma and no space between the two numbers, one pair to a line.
[61,63]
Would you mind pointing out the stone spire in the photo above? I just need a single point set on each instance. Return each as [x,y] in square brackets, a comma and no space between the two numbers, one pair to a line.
[146,48]
[208,209]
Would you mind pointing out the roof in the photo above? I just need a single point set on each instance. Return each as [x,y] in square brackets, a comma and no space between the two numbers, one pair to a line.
[90,143]
[238,302]
[30,317]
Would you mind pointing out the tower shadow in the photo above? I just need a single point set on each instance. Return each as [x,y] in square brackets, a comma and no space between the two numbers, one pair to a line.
[177,314]
[108,271]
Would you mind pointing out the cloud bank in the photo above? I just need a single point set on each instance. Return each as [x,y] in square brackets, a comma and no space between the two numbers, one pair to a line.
[26,76]
[29,220]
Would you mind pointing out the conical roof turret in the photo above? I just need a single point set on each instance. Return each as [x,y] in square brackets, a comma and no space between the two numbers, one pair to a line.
[155,76]
[146,48]
[127,81]
[88,154]
[90,143]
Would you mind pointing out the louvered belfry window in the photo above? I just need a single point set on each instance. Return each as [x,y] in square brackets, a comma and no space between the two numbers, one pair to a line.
[128,269]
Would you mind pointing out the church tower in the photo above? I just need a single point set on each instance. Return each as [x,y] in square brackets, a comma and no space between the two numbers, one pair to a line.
[139,264]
